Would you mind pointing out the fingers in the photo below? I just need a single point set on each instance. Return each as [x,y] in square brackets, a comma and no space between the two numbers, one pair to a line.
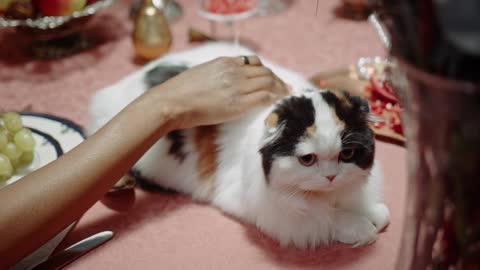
[280,87]
[252,60]
[253,72]
[259,98]
[257,76]
[259,83]
[269,83]
[256,71]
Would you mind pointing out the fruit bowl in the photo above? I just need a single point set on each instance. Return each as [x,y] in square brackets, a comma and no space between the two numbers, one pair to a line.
[56,36]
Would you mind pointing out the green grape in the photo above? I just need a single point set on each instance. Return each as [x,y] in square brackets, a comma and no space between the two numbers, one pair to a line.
[26,158]
[15,164]
[12,121]
[24,140]
[3,137]
[12,152]
[10,136]
[6,168]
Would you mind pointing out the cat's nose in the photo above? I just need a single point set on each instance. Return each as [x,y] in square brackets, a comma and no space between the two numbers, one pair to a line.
[330,177]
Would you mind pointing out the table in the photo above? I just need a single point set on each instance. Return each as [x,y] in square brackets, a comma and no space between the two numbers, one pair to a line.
[169,231]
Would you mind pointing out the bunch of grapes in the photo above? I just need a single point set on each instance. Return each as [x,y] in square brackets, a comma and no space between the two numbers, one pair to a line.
[16,145]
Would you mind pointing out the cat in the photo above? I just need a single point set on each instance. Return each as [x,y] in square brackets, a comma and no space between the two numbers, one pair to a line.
[302,170]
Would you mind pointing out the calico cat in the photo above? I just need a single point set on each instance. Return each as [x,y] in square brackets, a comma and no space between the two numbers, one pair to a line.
[302,170]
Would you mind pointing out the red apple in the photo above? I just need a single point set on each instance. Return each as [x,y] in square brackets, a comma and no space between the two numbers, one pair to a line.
[59,7]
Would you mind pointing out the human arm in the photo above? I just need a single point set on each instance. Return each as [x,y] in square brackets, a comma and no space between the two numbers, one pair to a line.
[44,202]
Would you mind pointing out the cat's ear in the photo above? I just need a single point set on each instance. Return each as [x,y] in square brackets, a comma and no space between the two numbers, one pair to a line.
[364,107]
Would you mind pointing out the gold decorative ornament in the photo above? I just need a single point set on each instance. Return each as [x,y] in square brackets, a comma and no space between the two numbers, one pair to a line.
[151,36]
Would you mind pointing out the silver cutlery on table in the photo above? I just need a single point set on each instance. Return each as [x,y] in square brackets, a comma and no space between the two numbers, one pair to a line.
[74,251]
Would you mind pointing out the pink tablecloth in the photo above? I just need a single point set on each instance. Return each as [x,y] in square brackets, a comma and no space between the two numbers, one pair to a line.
[165,231]
[169,231]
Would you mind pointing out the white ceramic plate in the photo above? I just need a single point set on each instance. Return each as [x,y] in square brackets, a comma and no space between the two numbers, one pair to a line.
[46,150]
[67,133]
[54,136]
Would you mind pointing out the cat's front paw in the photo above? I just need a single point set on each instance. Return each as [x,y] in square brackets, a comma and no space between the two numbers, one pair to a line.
[380,216]
[355,230]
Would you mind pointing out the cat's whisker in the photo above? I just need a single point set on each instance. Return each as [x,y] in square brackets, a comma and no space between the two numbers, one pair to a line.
[308,195]
[294,193]
[356,134]
[350,145]
[290,191]
[354,138]
[354,143]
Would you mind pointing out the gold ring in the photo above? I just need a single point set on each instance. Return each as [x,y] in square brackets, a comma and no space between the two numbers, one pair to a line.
[246,61]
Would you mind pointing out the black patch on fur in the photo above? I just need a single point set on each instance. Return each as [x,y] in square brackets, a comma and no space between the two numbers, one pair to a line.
[353,111]
[145,184]
[297,114]
[154,77]
[176,148]
[162,73]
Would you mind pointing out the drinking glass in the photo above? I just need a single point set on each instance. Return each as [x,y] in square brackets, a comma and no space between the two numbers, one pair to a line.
[227,17]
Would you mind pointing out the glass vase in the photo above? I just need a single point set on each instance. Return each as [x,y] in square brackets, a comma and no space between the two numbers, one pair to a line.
[442,125]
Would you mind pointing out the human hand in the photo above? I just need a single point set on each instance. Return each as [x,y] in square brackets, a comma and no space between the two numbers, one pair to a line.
[220,90]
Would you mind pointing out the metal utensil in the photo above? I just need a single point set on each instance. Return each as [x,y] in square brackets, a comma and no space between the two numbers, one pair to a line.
[74,251]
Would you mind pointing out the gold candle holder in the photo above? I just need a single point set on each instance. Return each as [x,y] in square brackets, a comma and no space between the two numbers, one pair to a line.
[151,35]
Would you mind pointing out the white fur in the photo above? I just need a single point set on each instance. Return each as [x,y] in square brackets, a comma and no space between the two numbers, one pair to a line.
[348,210]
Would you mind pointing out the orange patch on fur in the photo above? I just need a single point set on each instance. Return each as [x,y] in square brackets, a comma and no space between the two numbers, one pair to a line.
[272,120]
[343,99]
[311,130]
[204,139]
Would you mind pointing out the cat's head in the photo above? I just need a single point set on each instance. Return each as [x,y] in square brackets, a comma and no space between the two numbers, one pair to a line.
[317,142]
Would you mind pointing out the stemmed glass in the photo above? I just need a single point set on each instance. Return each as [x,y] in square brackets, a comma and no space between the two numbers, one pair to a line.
[228,12]
[270,7]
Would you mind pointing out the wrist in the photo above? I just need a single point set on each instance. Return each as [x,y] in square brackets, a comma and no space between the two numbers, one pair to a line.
[164,110]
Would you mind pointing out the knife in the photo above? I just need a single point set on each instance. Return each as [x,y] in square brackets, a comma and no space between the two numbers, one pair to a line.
[74,251]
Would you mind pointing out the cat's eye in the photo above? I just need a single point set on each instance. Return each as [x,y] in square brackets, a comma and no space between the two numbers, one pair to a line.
[347,154]
[308,160]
